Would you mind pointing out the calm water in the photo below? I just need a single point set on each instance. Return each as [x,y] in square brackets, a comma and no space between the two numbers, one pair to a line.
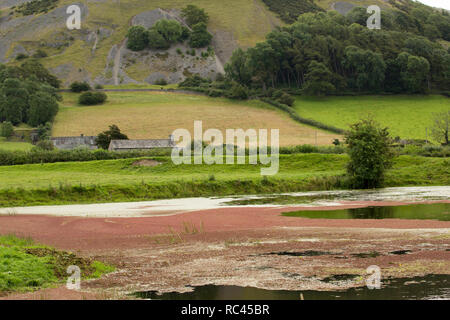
[436,211]
[428,287]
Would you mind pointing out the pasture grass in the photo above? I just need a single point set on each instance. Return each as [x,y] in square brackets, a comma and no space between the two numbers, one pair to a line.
[151,115]
[14,146]
[120,180]
[406,116]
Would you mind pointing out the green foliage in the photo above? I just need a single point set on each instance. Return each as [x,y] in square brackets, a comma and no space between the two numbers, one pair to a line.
[104,138]
[325,52]
[160,36]
[161,82]
[370,154]
[40,54]
[91,98]
[200,37]
[36,6]
[237,91]
[45,145]
[440,129]
[171,30]
[44,131]
[6,129]
[27,266]
[120,180]
[42,108]
[79,86]
[156,40]
[318,80]
[137,38]
[25,94]
[21,56]
[194,15]
[33,68]
[194,81]
[289,10]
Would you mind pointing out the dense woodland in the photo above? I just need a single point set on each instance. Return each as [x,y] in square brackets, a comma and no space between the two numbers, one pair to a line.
[326,53]
[28,94]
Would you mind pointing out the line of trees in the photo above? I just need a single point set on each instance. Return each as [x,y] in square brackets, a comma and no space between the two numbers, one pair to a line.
[28,94]
[325,53]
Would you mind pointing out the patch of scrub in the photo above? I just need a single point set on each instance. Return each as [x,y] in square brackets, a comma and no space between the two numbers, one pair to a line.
[27,266]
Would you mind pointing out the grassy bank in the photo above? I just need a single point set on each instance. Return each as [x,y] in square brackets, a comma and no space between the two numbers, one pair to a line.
[123,180]
[27,266]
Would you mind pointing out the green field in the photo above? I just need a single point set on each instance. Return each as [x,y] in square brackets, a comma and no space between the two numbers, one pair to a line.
[121,180]
[155,115]
[406,116]
[12,146]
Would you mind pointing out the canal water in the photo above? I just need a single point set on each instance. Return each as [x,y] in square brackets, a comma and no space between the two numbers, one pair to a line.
[435,211]
[430,287]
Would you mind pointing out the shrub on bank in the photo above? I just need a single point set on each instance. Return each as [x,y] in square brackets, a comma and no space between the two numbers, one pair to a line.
[92,98]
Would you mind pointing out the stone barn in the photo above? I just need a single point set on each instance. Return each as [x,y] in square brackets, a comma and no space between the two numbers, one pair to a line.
[69,143]
[144,144]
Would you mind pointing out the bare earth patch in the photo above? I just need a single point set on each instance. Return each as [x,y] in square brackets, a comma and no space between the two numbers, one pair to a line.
[146,163]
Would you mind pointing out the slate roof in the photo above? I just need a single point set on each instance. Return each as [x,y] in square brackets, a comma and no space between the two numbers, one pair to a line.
[141,144]
[73,142]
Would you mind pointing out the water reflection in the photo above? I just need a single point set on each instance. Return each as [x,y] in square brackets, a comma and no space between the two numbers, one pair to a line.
[435,211]
[427,287]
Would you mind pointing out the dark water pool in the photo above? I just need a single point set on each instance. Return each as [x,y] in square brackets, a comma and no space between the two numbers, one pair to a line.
[427,287]
[435,211]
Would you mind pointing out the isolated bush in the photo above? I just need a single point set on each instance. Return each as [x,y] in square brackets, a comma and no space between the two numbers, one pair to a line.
[171,30]
[370,154]
[215,92]
[157,41]
[21,56]
[42,108]
[92,98]
[6,129]
[237,91]
[200,37]
[161,82]
[40,54]
[45,145]
[194,81]
[137,38]
[79,86]
[104,138]
[194,15]
[98,86]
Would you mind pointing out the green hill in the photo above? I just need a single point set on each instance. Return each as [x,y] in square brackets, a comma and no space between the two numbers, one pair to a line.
[97,53]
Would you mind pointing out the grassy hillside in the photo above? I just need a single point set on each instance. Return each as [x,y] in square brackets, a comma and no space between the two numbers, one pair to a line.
[121,180]
[406,116]
[243,21]
[156,115]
